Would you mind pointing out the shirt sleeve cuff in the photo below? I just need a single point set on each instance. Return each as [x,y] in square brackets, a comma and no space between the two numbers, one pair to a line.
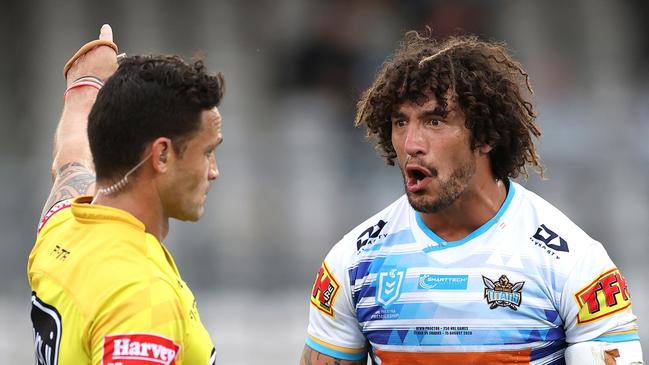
[614,337]
[338,352]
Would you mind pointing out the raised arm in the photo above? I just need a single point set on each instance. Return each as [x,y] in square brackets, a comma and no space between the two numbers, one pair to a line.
[313,357]
[72,167]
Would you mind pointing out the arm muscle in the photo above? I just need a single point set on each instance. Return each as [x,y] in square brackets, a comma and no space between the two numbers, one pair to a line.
[72,179]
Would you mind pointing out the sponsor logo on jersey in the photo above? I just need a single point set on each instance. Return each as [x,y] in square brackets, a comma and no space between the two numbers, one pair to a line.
[389,286]
[370,235]
[324,291]
[47,328]
[442,282]
[549,241]
[605,295]
[502,293]
[60,253]
[139,349]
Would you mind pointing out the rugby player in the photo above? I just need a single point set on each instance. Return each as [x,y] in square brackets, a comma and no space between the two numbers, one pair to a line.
[140,137]
[468,266]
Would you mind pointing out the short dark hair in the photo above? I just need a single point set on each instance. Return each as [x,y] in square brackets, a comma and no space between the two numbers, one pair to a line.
[148,97]
[483,80]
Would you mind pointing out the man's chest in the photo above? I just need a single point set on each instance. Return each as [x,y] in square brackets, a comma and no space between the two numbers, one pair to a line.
[413,300]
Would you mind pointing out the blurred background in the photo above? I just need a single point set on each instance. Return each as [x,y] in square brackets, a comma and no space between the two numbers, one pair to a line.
[295,174]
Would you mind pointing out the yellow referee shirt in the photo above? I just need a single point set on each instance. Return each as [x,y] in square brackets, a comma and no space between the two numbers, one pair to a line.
[104,291]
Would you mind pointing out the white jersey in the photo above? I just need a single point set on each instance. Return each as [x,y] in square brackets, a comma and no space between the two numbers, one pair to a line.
[516,291]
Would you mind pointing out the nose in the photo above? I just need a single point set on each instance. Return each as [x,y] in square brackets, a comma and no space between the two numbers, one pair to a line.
[213,172]
[414,144]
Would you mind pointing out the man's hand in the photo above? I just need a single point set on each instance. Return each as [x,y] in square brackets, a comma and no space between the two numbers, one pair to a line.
[100,61]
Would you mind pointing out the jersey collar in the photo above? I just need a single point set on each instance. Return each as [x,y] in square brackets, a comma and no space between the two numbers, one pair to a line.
[442,244]
[83,211]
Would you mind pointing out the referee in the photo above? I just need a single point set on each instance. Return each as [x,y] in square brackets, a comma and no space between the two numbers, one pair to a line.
[134,147]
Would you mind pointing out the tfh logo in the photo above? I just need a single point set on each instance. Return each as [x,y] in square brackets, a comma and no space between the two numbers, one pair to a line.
[324,290]
[603,296]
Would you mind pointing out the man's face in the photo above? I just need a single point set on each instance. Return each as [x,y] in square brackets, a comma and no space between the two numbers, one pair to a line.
[193,170]
[434,154]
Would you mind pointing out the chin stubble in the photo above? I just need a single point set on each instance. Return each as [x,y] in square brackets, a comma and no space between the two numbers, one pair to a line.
[449,191]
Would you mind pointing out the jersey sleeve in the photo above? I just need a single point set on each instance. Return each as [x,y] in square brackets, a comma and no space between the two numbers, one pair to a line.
[55,214]
[596,302]
[333,327]
[141,323]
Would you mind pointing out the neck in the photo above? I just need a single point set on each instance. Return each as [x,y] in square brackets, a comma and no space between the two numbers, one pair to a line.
[142,202]
[477,204]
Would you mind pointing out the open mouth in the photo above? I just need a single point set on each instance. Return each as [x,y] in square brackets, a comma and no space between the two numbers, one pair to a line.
[417,177]
[417,174]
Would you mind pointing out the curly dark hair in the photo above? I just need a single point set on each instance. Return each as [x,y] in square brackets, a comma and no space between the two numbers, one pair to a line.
[483,80]
[148,97]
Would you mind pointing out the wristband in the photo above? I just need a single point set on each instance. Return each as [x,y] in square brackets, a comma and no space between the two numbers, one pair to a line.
[84,81]
[91,79]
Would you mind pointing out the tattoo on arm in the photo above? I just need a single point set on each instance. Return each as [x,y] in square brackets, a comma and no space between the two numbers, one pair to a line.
[306,356]
[73,179]
[312,357]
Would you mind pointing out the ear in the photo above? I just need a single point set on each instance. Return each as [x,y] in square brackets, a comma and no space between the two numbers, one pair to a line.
[483,149]
[160,152]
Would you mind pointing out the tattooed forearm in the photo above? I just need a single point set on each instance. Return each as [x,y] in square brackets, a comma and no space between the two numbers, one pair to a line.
[312,357]
[306,356]
[72,179]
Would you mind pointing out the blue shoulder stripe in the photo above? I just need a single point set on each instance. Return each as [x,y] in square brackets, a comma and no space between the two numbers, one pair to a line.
[334,353]
[622,337]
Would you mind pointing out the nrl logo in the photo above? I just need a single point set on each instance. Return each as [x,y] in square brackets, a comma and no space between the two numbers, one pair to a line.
[502,293]
[389,287]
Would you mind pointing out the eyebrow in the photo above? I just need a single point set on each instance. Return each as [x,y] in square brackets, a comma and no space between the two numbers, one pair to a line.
[397,114]
[436,112]
[213,146]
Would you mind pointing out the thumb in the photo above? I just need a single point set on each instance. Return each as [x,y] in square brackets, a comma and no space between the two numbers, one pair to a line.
[106,33]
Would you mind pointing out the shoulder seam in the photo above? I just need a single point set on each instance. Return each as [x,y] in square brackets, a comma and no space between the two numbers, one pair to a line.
[56,208]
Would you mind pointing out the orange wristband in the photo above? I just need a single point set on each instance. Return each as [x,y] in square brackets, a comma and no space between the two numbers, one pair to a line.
[85,49]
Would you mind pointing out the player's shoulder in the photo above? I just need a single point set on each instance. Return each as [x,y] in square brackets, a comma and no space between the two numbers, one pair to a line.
[551,226]
[55,215]
[387,221]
